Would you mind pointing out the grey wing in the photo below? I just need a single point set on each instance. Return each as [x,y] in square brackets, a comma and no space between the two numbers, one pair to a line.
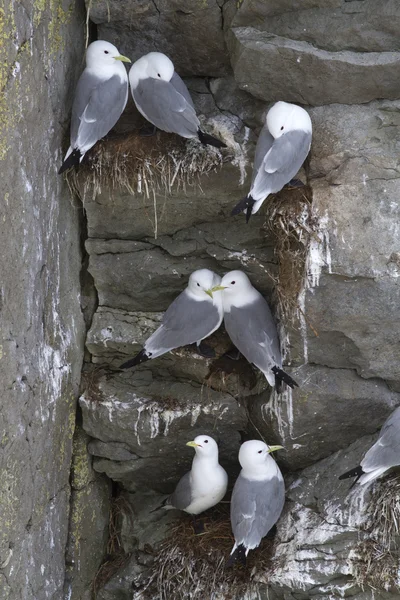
[255,508]
[182,496]
[185,322]
[281,163]
[97,107]
[253,331]
[386,450]
[180,87]
[264,143]
[166,107]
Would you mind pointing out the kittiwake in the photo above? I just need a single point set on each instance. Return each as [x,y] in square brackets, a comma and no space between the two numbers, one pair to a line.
[251,327]
[205,484]
[163,99]
[383,455]
[194,315]
[257,498]
[282,147]
[100,98]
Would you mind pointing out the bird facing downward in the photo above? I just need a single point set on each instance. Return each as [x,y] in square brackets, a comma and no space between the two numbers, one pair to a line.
[205,484]
[163,99]
[100,98]
[282,147]
[194,315]
[257,498]
[383,455]
[251,327]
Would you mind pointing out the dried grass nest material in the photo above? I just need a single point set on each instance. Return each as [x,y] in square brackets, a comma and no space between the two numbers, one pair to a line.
[377,559]
[144,165]
[193,567]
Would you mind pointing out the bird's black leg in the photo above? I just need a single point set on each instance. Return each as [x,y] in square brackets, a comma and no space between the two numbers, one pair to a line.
[147,130]
[205,350]
[233,354]
[198,525]
[296,183]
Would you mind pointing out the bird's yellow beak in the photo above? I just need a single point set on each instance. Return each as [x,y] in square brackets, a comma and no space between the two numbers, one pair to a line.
[216,288]
[122,58]
[192,444]
[274,448]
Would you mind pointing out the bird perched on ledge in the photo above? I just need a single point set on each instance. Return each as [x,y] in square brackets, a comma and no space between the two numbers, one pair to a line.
[251,327]
[100,98]
[163,99]
[383,455]
[194,315]
[257,500]
[282,147]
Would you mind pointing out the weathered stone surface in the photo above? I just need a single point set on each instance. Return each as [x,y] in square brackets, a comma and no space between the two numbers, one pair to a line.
[323,414]
[41,339]
[89,522]
[154,419]
[274,68]
[144,26]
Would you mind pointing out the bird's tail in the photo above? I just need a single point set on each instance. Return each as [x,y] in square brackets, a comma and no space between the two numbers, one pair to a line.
[164,504]
[246,204]
[281,376]
[355,472]
[238,555]
[208,140]
[72,160]
[136,360]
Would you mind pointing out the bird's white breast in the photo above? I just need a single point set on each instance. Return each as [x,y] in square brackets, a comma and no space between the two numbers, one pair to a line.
[209,483]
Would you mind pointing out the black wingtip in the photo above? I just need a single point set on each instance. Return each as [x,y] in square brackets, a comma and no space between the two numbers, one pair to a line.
[73,160]
[280,376]
[136,360]
[237,557]
[246,204]
[355,472]
[208,140]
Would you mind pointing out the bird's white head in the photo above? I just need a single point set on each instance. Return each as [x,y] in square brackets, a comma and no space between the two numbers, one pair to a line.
[203,281]
[284,117]
[204,446]
[236,283]
[101,54]
[254,456]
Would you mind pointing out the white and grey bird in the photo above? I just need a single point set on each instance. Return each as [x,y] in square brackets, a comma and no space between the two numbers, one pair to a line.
[382,456]
[100,98]
[282,147]
[205,484]
[257,500]
[163,99]
[251,327]
[194,315]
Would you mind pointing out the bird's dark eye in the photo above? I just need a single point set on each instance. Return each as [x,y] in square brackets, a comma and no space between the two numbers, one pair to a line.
[159,74]
[105,51]
[282,128]
[260,452]
[233,282]
[206,441]
[198,284]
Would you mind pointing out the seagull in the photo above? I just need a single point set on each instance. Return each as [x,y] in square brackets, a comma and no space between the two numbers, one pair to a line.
[251,327]
[163,99]
[100,98]
[205,484]
[282,147]
[257,500]
[383,455]
[194,315]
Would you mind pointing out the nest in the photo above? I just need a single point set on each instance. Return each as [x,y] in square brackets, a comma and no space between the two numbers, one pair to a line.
[291,221]
[143,165]
[193,567]
[377,561]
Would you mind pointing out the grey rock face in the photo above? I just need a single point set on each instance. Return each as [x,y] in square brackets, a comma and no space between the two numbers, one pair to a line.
[42,331]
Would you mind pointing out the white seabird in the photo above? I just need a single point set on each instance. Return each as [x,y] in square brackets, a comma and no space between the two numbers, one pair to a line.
[251,327]
[282,147]
[382,456]
[258,498]
[100,98]
[194,315]
[163,99]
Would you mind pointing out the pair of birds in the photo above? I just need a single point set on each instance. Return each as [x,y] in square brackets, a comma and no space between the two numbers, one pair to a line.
[258,495]
[163,99]
[199,310]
